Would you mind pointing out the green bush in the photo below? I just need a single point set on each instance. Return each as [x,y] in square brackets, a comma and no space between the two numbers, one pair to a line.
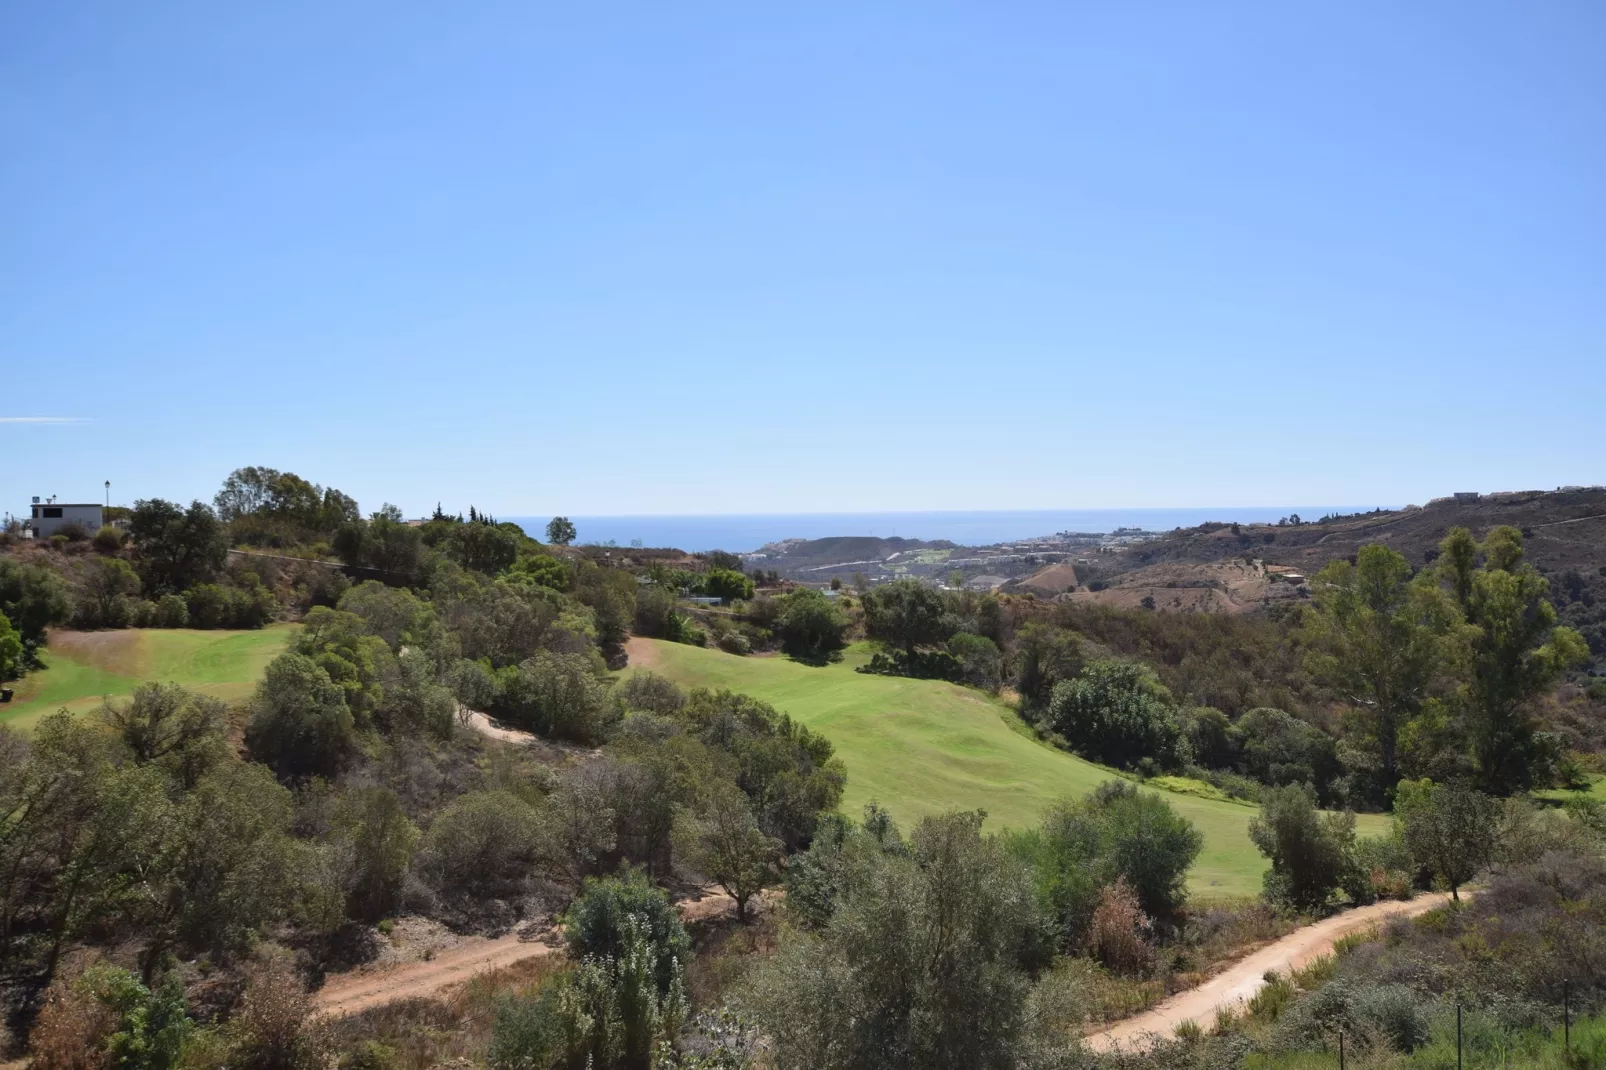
[171,612]
[1311,853]
[597,923]
[809,624]
[482,843]
[734,643]
[1119,713]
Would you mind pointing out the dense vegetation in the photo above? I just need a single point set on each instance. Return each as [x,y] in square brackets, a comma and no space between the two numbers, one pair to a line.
[175,873]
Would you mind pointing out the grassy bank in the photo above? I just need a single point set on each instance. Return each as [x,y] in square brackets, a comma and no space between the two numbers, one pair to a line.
[924,746]
[82,668]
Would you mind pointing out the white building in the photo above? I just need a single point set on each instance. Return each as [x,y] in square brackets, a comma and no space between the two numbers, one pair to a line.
[48,517]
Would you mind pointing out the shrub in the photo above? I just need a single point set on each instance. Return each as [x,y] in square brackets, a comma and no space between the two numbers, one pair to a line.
[171,612]
[1117,833]
[921,956]
[1119,935]
[597,924]
[108,540]
[1391,1012]
[558,695]
[650,692]
[1272,998]
[1311,853]
[981,665]
[1383,869]
[274,1026]
[482,842]
[108,1018]
[734,643]
[606,1012]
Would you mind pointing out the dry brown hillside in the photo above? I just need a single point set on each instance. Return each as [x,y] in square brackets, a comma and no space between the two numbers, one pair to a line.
[1563,529]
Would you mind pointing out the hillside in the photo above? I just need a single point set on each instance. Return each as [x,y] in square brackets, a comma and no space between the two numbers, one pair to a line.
[923,747]
[1563,530]
[843,552]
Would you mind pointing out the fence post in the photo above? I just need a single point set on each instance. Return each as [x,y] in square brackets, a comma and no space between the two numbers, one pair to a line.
[1566,1018]
[1341,1050]
[1458,1036]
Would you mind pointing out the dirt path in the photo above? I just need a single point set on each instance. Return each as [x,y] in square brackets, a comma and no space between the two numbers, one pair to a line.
[362,989]
[640,652]
[1236,984]
[482,724]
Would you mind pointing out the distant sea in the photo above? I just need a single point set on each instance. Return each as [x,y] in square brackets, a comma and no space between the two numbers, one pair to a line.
[741,533]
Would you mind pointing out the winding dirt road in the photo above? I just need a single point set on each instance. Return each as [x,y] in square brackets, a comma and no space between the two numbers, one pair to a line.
[1237,983]
[362,989]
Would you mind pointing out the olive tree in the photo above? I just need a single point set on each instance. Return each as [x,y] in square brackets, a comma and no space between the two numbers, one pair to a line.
[920,964]
[1448,828]
[723,841]
[1310,852]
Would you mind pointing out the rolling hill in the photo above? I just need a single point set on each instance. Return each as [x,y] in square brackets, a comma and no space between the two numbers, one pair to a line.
[924,746]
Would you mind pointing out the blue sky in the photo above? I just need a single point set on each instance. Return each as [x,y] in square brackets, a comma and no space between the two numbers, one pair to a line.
[698,258]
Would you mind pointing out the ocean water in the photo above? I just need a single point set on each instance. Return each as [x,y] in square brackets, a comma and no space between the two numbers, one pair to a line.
[740,533]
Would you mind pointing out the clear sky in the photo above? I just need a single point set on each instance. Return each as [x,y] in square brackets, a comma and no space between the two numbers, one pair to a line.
[701,258]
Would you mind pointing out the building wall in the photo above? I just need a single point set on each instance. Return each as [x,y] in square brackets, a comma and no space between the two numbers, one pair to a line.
[44,526]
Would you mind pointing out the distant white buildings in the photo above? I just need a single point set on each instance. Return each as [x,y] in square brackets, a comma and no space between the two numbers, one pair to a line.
[49,517]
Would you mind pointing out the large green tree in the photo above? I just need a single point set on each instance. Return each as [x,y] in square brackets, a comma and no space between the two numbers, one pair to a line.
[300,723]
[1514,651]
[177,548]
[1118,712]
[560,531]
[1378,641]
[810,625]
[1448,828]
[907,614]
[33,598]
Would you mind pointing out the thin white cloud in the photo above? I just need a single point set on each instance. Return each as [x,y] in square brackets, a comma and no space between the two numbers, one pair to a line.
[42,420]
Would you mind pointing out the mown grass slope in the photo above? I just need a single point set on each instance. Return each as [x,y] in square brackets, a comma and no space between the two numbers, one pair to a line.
[923,746]
[82,668]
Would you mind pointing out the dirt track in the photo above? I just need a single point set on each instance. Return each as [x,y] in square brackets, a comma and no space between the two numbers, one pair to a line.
[361,990]
[1234,985]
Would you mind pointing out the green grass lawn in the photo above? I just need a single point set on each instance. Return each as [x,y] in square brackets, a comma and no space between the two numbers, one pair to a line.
[82,668]
[923,746]
[1595,791]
